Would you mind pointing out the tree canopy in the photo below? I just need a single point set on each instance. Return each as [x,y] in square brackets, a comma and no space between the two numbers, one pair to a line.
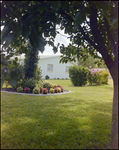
[92,25]
[77,18]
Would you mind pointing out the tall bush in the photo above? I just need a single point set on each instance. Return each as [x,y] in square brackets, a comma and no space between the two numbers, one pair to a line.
[31,83]
[104,77]
[78,75]
[94,76]
[30,62]
[38,73]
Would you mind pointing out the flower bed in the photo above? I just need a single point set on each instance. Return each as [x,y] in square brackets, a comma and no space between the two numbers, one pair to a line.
[56,90]
[11,90]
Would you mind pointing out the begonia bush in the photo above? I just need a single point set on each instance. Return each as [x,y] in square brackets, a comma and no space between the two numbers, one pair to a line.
[27,90]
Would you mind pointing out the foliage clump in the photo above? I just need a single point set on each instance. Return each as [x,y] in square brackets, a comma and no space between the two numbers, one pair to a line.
[51,90]
[30,62]
[47,77]
[31,83]
[19,89]
[36,90]
[27,90]
[14,72]
[59,90]
[55,85]
[104,77]
[78,75]
[95,76]
[44,91]
[62,90]
[47,84]
[55,90]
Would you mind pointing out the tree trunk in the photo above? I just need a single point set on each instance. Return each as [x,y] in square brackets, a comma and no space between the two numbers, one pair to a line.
[113,68]
[114,132]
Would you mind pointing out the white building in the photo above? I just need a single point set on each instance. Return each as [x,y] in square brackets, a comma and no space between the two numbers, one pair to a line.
[51,66]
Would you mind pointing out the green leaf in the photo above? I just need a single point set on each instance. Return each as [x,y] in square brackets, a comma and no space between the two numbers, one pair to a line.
[79,19]
[55,5]
[55,49]
[51,43]
[26,31]
[41,44]
[16,59]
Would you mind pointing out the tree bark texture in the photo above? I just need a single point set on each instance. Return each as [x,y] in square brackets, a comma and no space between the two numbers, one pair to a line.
[114,132]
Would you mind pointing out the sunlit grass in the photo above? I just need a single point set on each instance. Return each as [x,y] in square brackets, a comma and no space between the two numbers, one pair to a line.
[79,120]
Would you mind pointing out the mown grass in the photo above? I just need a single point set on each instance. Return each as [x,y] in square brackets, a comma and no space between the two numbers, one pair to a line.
[79,120]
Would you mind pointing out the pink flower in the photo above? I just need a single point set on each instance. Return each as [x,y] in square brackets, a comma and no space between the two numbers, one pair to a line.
[90,67]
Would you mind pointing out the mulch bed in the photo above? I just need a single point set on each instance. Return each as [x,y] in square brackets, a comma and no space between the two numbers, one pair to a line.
[9,89]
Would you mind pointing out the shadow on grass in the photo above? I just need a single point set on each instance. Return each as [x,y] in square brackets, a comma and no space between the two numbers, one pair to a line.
[55,122]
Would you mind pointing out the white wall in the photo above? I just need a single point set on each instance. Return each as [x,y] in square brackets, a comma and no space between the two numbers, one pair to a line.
[59,69]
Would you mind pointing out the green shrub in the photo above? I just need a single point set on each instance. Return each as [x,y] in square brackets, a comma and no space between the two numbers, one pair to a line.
[104,77]
[59,90]
[36,90]
[78,75]
[31,83]
[44,91]
[51,90]
[38,74]
[47,84]
[60,87]
[14,72]
[54,85]
[19,89]
[47,77]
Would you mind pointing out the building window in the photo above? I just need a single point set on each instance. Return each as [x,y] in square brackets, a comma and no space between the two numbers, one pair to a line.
[50,67]
[67,69]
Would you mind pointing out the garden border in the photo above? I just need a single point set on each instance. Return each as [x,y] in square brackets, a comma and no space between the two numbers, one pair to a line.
[49,94]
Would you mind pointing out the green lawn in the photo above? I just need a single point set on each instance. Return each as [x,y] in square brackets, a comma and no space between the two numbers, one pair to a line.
[79,120]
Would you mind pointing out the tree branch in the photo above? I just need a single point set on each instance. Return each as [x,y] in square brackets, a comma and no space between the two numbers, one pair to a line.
[113,45]
[86,37]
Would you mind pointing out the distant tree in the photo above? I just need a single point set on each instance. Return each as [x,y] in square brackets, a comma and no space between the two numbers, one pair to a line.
[30,62]
[90,61]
